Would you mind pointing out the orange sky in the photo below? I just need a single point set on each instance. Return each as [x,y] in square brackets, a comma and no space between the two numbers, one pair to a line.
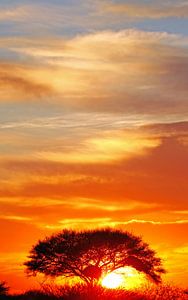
[93,128]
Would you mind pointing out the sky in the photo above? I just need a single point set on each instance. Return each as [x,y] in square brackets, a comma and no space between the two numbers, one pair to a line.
[93,125]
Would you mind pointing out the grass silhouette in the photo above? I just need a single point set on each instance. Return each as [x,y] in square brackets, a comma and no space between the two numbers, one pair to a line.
[84,292]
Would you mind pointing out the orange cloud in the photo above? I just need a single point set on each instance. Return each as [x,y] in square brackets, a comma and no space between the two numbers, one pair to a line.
[104,149]
[15,84]
[151,171]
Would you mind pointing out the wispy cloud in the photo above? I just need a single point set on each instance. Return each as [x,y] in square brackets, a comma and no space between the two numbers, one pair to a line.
[57,17]
[79,120]
[17,13]
[16,218]
[152,10]
[16,84]
[103,150]
[69,72]
[155,222]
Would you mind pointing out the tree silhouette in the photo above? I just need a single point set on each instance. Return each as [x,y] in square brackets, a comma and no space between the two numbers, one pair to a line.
[89,254]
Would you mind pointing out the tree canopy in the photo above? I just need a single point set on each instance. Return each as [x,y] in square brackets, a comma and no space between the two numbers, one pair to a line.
[89,254]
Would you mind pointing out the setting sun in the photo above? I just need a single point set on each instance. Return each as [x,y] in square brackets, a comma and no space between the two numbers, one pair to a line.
[112,280]
[127,277]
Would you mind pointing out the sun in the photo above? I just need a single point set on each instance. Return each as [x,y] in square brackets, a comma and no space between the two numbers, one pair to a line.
[112,281]
[126,277]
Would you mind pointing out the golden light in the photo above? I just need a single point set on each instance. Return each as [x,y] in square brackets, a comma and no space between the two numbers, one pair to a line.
[112,281]
[127,277]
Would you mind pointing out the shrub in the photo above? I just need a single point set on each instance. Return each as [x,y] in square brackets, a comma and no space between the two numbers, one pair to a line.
[164,292]
[84,292]
[3,288]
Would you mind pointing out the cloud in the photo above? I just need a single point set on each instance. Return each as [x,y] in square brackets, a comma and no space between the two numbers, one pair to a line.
[16,13]
[103,150]
[36,12]
[16,218]
[83,223]
[70,121]
[54,18]
[148,167]
[16,84]
[168,129]
[80,74]
[155,222]
[41,212]
[152,10]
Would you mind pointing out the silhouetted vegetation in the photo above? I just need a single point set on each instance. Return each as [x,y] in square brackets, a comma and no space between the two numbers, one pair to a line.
[85,292]
[3,288]
[89,254]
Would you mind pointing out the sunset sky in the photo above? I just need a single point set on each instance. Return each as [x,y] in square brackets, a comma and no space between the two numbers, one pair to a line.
[93,125]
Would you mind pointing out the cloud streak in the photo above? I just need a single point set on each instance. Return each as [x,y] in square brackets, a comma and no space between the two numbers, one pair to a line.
[69,72]
[16,84]
[152,10]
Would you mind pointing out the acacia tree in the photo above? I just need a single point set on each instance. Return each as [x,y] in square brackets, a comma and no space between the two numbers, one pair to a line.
[89,254]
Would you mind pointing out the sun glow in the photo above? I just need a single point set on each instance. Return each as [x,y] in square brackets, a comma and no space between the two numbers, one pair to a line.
[112,280]
[127,277]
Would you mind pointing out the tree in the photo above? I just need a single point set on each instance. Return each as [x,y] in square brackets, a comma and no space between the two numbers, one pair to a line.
[89,254]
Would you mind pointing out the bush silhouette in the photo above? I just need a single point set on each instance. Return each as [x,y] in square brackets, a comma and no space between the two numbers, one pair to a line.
[3,288]
[89,254]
